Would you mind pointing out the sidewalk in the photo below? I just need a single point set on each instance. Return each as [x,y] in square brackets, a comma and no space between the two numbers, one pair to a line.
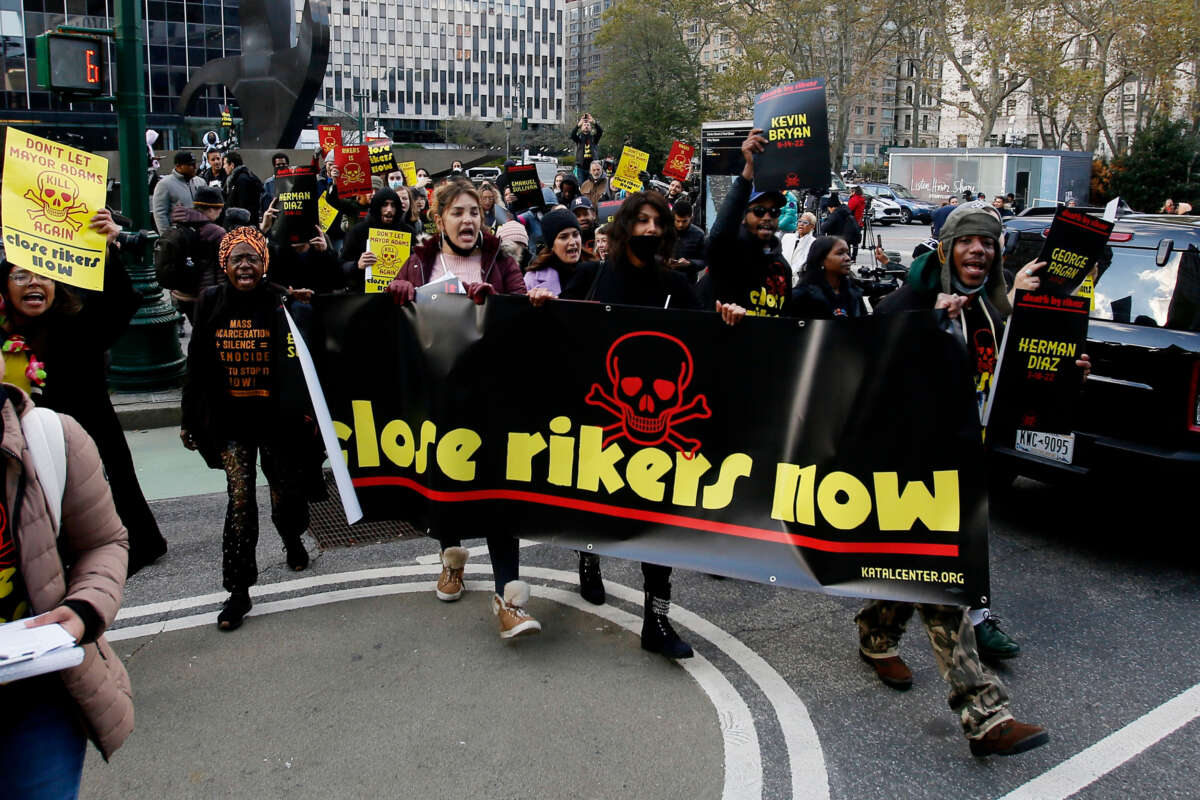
[144,410]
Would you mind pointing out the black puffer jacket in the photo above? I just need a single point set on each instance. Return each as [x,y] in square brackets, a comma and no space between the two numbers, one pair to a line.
[356,240]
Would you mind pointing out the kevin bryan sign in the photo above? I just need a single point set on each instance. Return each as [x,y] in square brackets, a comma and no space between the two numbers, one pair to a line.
[793,119]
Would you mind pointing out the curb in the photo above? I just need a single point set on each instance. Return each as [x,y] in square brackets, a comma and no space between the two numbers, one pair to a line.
[140,416]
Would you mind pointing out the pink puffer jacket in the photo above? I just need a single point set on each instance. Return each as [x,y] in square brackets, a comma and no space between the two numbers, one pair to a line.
[97,547]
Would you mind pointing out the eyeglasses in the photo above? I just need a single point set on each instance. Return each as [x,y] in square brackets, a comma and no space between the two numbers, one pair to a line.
[23,277]
[763,211]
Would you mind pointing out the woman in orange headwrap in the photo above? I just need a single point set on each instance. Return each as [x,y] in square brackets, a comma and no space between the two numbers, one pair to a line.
[233,408]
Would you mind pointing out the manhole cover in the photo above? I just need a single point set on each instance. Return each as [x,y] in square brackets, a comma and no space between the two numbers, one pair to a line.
[327,522]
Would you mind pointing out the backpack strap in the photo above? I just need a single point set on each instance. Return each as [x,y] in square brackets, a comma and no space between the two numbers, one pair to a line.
[48,446]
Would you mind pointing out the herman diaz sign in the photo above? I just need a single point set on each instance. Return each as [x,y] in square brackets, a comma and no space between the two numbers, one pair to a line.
[1038,385]
[296,204]
[643,440]
[794,121]
[1075,242]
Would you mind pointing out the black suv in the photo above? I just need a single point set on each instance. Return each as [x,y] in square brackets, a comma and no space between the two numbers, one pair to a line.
[1140,414]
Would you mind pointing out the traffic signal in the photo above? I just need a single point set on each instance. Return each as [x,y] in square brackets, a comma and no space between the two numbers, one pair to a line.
[70,63]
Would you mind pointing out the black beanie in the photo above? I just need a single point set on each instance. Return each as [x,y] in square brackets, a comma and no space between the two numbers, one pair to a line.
[555,223]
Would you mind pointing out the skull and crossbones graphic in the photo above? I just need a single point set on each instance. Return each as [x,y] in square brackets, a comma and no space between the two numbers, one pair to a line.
[57,199]
[353,172]
[648,372]
[985,351]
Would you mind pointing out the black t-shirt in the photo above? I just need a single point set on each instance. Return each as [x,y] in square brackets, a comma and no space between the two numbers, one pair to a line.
[242,348]
[981,336]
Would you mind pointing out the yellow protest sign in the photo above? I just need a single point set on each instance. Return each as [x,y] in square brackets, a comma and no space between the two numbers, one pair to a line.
[326,213]
[391,249]
[50,193]
[409,168]
[1088,289]
[632,164]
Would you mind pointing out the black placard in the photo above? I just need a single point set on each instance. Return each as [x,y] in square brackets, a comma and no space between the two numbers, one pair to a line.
[383,160]
[296,202]
[1075,242]
[794,121]
[526,185]
[646,441]
[1037,383]
[606,211]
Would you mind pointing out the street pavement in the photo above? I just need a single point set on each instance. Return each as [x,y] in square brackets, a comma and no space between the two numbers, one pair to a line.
[351,680]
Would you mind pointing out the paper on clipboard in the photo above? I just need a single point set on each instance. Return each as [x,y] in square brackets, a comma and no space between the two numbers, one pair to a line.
[25,652]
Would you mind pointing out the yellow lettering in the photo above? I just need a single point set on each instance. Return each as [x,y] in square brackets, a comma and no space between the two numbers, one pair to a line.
[644,472]
[596,463]
[688,472]
[720,494]
[562,452]
[851,512]
[898,511]
[399,454]
[793,501]
[522,447]
[428,436]
[454,453]
[364,433]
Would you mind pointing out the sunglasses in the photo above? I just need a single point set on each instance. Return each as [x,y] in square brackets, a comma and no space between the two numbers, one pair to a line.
[764,211]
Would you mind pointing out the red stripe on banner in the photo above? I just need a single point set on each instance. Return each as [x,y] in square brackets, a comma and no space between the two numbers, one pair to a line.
[779,537]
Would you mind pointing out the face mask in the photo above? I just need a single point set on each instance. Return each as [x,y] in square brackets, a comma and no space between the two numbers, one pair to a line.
[644,248]
[396,184]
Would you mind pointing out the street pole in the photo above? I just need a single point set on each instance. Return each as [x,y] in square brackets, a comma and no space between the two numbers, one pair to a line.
[508,123]
[148,355]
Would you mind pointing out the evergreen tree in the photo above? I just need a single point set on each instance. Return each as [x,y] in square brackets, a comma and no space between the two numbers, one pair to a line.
[1163,162]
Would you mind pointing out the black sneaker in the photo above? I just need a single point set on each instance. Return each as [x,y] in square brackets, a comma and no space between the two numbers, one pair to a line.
[297,556]
[236,608]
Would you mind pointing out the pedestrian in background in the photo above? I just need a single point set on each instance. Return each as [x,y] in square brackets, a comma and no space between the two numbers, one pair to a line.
[175,189]
[586,136]
[794,246]
[243,189]
[689,242]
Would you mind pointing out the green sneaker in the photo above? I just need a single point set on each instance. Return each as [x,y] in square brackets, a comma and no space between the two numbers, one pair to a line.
[994,643]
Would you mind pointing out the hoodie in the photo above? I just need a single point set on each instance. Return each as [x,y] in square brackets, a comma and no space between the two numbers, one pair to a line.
[356,240]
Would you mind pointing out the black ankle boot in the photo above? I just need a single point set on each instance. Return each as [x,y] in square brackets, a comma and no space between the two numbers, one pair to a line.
[657,634]
[234,610]
[591,584]
[297,555]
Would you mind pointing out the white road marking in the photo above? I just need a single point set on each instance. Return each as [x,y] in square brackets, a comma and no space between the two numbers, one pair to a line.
[477,550]
[743,776]
[1088,766]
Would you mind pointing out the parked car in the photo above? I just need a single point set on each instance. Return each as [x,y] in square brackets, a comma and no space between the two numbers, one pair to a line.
[1140,410]
[911,208]
[884,210]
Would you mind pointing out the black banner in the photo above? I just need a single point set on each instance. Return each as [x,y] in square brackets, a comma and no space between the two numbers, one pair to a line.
[525,184]
[383,160]
[1075,242]
[839,456]
[794,121]
[296,202]
[1037,383]
[606,211]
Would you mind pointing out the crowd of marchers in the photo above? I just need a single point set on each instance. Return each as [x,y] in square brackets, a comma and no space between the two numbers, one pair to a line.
[231,279]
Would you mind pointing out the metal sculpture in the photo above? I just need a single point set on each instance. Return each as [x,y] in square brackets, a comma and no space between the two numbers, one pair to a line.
[275,83]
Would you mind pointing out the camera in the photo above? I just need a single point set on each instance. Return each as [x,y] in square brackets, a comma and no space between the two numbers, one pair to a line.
[134,243]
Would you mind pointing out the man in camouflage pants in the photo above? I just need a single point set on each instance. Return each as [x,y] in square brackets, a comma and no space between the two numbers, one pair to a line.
[976,693]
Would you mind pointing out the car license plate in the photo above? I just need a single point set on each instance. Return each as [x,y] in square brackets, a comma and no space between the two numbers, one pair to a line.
[1052,446]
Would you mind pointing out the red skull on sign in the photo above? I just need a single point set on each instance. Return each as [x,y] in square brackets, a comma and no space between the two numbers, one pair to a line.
[648,372]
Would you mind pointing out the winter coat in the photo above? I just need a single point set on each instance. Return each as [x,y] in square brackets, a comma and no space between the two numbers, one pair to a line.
[83,566]
[597,191]
[841,223]
[816,299]
[243,189]
[204,259]
[857,204]
[742,269]
[496,268]
[690,245]
[173,190]
[73,346]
